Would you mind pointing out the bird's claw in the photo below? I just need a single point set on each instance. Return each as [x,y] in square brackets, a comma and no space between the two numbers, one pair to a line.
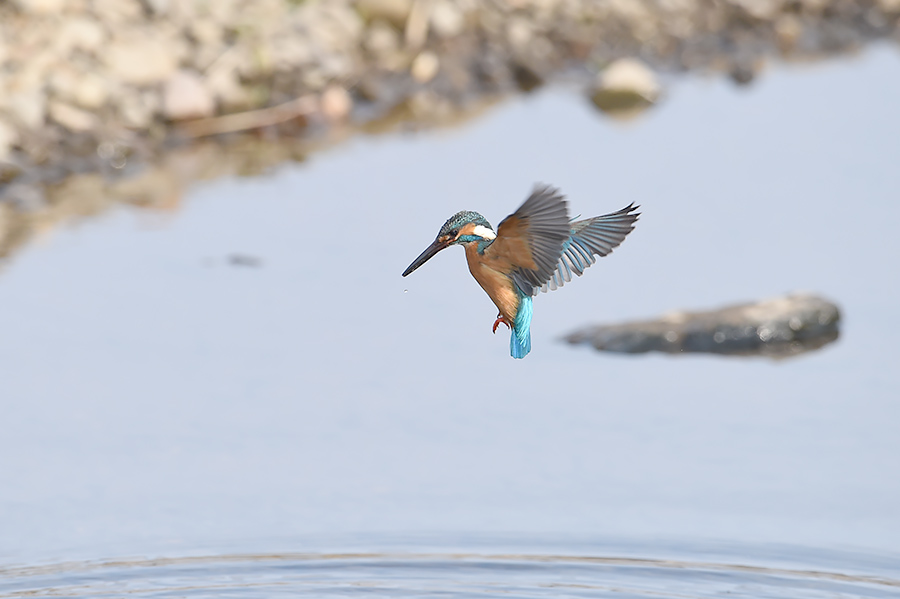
[497,323]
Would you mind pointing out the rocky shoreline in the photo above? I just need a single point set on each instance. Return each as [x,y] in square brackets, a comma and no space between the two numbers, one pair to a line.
[106,101]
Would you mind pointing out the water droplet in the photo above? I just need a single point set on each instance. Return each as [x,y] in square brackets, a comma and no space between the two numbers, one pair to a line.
[406,291]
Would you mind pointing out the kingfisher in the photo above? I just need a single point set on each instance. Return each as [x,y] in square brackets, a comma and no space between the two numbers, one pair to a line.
[536,248]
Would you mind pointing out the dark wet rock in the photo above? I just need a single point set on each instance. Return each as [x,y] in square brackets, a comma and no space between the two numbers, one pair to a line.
[9,172]
[527,77]
[777,328]
[743,73]
[244,260]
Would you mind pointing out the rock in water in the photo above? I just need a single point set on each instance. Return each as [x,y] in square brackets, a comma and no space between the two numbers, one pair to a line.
[626,88]
[777,328]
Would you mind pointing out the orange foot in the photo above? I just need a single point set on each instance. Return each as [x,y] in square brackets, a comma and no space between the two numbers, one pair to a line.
[497,323]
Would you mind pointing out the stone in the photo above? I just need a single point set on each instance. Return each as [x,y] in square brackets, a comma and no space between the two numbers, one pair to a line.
[416,30]
[25,197]
[8,138]
[446,19]
[142,60]
[9,171]
[27,108]
[70,117]
[289,52]
[138,109]
[186,97]
[527,78]
[226,88]
[630,75]
[62,81]
[395,11]
[764,10]
[779,327]
[788,29]
[157,7]
[625,89]
[519,32]
[206,32]
[117,13]
[381,38]
[342,21]
[91,91]
[425,67]
[40,7]
[81,33]
[336,103]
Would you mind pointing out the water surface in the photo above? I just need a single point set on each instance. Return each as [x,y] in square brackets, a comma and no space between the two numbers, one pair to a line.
[161,401]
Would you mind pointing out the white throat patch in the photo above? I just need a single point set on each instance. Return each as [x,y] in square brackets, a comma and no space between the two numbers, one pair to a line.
[484,232]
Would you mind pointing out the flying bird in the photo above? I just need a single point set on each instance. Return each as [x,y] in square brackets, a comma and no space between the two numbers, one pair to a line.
[536,248]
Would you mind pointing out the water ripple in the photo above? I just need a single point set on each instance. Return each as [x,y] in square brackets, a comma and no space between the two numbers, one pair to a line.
[430,575]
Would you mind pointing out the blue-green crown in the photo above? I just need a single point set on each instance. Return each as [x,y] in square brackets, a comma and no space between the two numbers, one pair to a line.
[463,218]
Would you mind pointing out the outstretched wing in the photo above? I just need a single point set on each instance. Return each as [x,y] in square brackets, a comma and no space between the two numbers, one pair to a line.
[530,241]
[588,239]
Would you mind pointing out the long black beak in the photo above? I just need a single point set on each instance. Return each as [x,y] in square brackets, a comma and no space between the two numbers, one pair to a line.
[427,255]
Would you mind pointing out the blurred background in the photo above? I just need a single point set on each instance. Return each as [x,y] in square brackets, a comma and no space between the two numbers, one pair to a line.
[215,380]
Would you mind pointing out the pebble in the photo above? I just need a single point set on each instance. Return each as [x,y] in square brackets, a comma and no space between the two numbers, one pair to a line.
[630,75]
[91,91]
[8,137]
[27,108]
[382,38]
[395,11]
[79,33]
[625,89]
[425,67]
[40,7]
[141,61]
[336,104]
[446,19]
[73,119]
[186,97]
[138,109]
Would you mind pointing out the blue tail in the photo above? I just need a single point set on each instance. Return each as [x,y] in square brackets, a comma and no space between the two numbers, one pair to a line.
[520,336]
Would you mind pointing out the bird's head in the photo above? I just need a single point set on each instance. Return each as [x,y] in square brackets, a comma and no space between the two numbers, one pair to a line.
[460,229]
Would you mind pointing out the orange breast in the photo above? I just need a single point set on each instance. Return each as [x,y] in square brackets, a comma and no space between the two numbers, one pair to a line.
[497,285]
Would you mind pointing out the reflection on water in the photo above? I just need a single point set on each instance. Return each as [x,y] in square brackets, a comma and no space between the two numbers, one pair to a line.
[434,575]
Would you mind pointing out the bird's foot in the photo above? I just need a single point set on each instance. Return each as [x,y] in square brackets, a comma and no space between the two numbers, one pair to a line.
[497,323]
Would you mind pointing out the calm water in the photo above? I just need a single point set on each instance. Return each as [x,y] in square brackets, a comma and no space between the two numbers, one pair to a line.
[239,425]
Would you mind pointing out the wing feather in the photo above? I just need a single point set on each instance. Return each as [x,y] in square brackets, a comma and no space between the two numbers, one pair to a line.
[587,239]
[530,240]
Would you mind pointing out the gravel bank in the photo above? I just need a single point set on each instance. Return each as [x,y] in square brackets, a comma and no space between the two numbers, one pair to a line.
[103,101]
